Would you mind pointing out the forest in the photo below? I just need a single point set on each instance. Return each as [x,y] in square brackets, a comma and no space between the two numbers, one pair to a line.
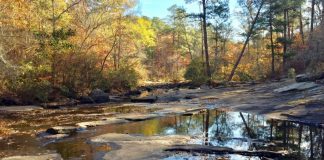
[54,49]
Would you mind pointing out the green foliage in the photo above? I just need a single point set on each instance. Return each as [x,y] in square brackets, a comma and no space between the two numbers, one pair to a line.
[124,78]
[196,72]
[244,76]
[291,73]
[28,87]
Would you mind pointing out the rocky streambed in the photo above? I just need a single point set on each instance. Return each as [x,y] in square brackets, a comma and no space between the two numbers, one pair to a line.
[281,120]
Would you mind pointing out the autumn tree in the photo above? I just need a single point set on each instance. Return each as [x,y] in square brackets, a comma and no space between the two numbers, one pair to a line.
[248,36]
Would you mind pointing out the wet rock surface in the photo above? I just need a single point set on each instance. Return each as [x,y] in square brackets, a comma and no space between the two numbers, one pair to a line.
[62,130]
[137,117]
[294,102]
[40,157]
[138,147]
[56,136]
[106,121]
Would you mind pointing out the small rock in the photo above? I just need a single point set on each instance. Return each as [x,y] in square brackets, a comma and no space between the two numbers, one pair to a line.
[7,101]
[62,130]
[309,77]
[320,81]
[170,98]
[192,87]
[302,78]
[99,96]
[190,97]
[86,100]
[149,89]
[133,93]
[270,145]
[149,99]
[118,99]
[204,86]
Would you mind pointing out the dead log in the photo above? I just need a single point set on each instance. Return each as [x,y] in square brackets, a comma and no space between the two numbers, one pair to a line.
[221,150]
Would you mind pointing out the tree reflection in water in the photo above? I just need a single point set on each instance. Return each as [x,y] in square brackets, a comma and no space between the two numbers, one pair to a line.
[244,131]
[240,131]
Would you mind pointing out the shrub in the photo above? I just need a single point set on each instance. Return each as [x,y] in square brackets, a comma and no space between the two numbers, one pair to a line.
[196,72]
[243,76]
[291,73]
[124,78]
[31,90]
[28,86]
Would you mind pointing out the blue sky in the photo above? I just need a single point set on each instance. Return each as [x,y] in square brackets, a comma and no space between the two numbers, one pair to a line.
[159,8]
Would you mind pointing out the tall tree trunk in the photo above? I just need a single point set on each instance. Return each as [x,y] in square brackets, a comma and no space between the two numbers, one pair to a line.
[207,128]
[224,46]
[120,30]
[311,136]
[301,25]
[271,130]
[288,24]
[300,134]
[53,65]
[115,59]
[246,42]
[206,38]
[188,44]
[202,42]
[292,31]
[323,15]
[248,129]
[285,42]
[216,46]
[312,16]
[322,133]
[271,39]
[202,36]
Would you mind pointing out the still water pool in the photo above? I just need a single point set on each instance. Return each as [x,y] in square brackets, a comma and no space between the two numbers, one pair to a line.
[240,131]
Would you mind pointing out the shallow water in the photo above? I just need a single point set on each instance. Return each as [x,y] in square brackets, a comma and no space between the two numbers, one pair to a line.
[240,131]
